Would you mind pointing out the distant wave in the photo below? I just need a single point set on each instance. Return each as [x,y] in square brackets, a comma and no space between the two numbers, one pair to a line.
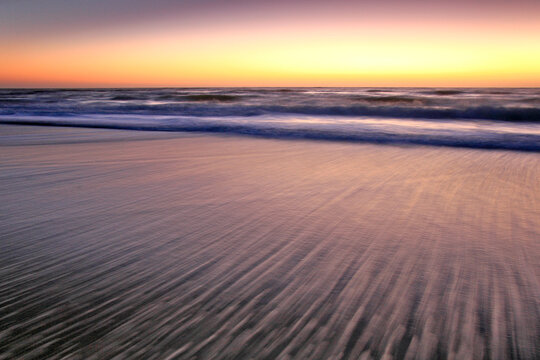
[444,92]
[479,139]
[513,114]
[513,105]
[388,99]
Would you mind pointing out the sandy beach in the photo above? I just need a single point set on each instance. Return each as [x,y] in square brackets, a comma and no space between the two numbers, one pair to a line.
[147,245]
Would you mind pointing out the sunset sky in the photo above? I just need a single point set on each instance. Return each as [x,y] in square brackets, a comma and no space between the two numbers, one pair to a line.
[101,43]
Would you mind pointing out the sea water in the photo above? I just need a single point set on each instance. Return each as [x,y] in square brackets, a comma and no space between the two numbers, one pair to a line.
[491,118]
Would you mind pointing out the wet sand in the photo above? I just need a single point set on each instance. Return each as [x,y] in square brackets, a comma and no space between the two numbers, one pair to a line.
[140,245]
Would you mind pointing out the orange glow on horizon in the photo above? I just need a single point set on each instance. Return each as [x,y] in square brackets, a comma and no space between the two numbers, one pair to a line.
[307,54]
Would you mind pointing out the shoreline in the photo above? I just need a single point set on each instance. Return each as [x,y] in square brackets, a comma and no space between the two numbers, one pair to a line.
[522,143]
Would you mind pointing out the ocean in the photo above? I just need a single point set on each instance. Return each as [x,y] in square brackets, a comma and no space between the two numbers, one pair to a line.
[490,118]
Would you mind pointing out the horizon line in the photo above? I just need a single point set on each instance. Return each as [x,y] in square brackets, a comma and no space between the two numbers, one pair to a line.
[253,87]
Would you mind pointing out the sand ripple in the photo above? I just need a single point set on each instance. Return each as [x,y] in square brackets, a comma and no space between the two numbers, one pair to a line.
[226,248]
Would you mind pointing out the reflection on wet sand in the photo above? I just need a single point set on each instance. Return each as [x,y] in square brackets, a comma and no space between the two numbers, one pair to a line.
[167,246]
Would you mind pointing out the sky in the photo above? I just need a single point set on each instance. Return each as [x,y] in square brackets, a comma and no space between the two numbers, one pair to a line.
[136,43]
